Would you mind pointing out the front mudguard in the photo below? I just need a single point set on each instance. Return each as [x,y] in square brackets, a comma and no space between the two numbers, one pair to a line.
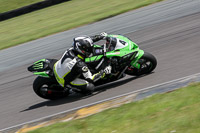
[134,63]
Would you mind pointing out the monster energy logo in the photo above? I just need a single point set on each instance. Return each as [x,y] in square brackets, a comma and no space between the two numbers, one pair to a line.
[38,65]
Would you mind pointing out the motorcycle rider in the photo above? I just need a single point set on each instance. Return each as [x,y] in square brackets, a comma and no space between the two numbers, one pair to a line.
[71,65]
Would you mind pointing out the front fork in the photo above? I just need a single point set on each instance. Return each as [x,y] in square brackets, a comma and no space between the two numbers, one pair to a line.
[134,63]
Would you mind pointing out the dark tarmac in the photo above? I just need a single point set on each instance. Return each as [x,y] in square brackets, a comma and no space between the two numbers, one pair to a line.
[175,42]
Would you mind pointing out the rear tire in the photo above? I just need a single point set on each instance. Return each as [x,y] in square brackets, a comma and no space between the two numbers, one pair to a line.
[48,88]
[147,63]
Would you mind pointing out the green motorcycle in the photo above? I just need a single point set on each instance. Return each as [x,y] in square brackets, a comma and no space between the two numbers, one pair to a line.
[125,58]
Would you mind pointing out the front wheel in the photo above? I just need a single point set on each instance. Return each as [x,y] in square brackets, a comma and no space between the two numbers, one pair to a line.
[147,63]
[48,88]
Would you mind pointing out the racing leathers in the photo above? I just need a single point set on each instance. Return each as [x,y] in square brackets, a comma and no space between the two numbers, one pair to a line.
[71,67]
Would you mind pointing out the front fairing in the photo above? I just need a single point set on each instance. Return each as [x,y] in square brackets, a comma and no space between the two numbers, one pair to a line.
[123,42]
[123,49]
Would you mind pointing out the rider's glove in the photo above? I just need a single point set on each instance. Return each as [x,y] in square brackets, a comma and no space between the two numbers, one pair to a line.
[103,35]
[107,70]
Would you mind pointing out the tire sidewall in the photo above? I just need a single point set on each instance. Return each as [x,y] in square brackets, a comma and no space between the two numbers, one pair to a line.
[39,82]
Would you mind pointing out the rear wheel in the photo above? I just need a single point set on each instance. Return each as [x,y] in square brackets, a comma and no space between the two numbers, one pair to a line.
[48,88]
[147,64]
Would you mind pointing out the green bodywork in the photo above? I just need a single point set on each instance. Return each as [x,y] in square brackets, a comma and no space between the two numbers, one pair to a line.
[42,74]
[40,65]
[93,58]
[130,48]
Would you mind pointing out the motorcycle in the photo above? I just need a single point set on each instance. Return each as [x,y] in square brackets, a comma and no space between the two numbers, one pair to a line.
[124,58]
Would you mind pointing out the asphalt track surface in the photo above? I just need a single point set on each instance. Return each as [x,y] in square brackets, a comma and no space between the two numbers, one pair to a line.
[170,30]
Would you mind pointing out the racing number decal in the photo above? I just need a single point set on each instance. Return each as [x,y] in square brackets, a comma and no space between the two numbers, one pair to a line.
[122,42]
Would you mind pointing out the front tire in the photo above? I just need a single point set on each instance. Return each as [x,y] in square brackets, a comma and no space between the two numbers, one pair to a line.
[48,88]
[147,63]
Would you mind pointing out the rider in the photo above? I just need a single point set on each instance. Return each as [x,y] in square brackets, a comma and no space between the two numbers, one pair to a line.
[71,66]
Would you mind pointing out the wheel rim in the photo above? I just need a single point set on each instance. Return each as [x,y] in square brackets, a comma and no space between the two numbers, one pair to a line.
[44,90]
[146,65]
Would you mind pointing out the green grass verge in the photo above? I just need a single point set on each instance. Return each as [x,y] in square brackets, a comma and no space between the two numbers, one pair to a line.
[7,5]
[178,111]
[62,17]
